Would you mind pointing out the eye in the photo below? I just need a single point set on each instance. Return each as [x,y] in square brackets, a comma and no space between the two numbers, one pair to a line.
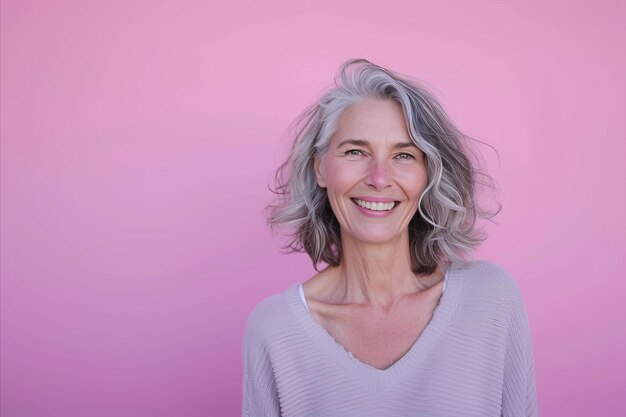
[354,152]
[405,155]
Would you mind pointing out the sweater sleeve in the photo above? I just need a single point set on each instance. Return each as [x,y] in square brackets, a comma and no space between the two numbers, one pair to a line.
[519,398]
[260,398]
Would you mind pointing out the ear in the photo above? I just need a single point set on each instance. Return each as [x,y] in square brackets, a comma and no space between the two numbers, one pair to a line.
[317,168]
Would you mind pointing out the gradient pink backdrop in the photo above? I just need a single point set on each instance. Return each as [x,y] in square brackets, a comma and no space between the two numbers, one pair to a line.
[139,137]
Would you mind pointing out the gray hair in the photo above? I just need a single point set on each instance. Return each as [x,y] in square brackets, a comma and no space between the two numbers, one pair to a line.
[443,229]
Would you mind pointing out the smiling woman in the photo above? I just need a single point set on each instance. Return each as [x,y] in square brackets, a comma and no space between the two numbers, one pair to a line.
[381,175]
[380,186]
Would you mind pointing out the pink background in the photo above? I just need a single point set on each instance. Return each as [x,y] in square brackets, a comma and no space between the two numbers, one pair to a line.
[139,137]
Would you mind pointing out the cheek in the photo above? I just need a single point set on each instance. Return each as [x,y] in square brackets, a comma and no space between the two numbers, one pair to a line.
[414,183]
[339,177]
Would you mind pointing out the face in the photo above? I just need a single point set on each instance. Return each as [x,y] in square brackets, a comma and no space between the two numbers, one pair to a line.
[373,172]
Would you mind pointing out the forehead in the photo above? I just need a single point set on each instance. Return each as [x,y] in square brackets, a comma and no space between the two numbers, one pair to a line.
[373,120]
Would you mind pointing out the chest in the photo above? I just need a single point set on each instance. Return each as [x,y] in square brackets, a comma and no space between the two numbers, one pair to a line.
[379,339]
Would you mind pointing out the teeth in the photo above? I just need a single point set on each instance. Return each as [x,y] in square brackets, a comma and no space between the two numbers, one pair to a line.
[375,206]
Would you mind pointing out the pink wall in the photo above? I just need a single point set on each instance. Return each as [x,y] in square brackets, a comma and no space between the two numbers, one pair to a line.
[138,139]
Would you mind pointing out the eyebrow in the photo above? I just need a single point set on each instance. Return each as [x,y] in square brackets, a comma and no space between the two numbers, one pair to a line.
[361,142]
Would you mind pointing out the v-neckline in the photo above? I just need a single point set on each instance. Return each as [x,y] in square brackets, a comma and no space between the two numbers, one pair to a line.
[442,314]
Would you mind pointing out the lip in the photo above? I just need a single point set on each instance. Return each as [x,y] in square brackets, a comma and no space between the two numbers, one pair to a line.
[371,213]
[376,199]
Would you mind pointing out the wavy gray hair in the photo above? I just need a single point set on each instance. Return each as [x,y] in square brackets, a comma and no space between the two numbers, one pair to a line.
[443,229]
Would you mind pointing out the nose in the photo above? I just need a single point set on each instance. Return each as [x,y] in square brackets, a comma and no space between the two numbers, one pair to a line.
[379,175]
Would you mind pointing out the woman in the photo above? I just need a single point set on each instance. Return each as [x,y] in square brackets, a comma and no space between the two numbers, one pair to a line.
[379,185]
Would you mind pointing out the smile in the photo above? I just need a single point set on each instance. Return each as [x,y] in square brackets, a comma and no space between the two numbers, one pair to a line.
[372,206]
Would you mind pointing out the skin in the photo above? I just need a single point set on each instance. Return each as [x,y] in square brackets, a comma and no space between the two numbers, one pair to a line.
[373,304]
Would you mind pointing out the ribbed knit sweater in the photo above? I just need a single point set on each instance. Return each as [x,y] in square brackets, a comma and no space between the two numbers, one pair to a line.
[474,358]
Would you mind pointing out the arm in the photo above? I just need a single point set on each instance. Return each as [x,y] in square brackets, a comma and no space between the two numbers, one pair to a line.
[260,398]
[519,398]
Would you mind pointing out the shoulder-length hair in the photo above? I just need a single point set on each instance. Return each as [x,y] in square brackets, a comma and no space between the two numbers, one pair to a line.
[443,229]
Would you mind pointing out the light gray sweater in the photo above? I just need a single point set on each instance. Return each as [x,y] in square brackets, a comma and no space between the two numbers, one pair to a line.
[474,358]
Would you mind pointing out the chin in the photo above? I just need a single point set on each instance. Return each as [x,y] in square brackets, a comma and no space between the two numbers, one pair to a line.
[372,237]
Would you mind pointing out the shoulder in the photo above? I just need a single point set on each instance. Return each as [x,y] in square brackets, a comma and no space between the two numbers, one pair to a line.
[491,283]
[487,275]
[267,317]
[488,279]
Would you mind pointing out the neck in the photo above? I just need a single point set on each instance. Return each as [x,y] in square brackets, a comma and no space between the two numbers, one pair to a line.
[379,274]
